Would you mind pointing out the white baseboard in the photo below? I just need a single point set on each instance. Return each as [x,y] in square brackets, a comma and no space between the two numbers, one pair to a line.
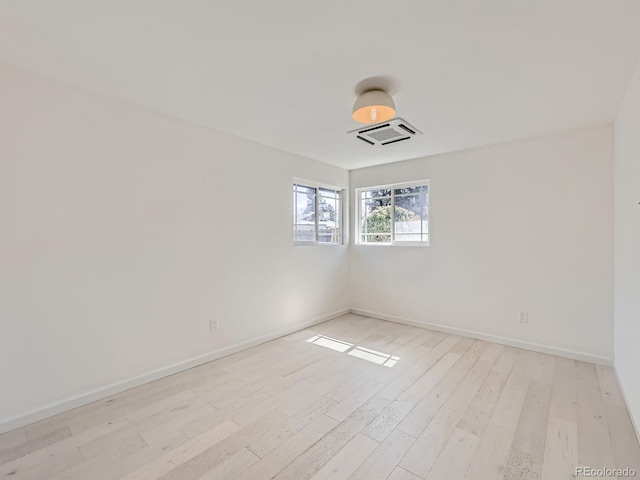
[512,342]
[10,423]
[636,427]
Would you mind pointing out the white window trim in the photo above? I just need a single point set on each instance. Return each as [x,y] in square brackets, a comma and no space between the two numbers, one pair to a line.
[318,186]
[391,186]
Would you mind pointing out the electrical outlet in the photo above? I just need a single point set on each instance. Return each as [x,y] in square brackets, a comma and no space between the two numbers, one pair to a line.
[213,325]
[524,317]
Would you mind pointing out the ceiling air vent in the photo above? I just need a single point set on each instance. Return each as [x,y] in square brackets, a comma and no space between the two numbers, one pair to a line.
[386,133]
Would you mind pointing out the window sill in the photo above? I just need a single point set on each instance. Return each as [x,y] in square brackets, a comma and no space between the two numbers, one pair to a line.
[392,244]
[313,244]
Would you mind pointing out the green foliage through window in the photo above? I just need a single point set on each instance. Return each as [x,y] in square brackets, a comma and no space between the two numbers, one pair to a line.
[379,221]
[407,222]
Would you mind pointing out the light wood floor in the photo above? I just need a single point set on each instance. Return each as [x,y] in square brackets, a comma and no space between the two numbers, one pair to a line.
[450,408]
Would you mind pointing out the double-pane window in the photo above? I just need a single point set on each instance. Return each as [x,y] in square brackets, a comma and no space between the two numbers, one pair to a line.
[394,214]
[317,214]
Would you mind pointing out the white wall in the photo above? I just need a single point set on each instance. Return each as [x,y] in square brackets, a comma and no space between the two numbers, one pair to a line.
[519,226]
[124,231]
[627,247]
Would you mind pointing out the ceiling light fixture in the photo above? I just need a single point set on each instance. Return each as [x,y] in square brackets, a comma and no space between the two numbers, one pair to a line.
[374,106]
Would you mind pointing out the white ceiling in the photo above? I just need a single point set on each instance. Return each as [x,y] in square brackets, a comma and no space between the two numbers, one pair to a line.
[283,72]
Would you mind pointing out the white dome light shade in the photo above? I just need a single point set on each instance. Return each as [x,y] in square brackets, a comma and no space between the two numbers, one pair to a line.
[374,106]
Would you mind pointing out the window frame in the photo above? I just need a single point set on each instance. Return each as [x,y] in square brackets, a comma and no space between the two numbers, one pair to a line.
[393,242]
[340,217]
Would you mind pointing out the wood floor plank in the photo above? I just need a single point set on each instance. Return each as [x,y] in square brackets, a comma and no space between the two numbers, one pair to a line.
[250,414]
[467,386]
[451,407]
[418,419]
[295,405]
[169,424]
[425,452]
[347,460]
[543,368]
[321,370]
[453,462]
[522,466]
[143,456]
[477,416]
[413,335]
[408,377]
[531,432]
[161,405]
[347,406]
[594,443]
[307,464]
[134,440]
[301,364]
[99,465]
[49,453]
[97,413]
[563,391]
[115,407]
[266,443]
[278,459]
[507,411]
[431,377]
[389,419]
[231,467]
[434,339]
[611,394]
[30,446]
[11,439]
[172,459]
[242,361]
[45,468]
[283,361]
[211,457]
[380,464]
[491,455]
[152,428]
[587,376]
[346,389]
[400,473]
[229,409]
[561,450]
[624,443]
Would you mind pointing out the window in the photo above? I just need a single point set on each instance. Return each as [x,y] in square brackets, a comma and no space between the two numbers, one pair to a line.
[317,214]
[394,214]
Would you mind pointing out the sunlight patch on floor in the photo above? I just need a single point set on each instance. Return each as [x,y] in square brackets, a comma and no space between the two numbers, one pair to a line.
[384,359]
[373,356]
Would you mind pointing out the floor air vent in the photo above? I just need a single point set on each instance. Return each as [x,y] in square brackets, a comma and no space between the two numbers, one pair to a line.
[386,133]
